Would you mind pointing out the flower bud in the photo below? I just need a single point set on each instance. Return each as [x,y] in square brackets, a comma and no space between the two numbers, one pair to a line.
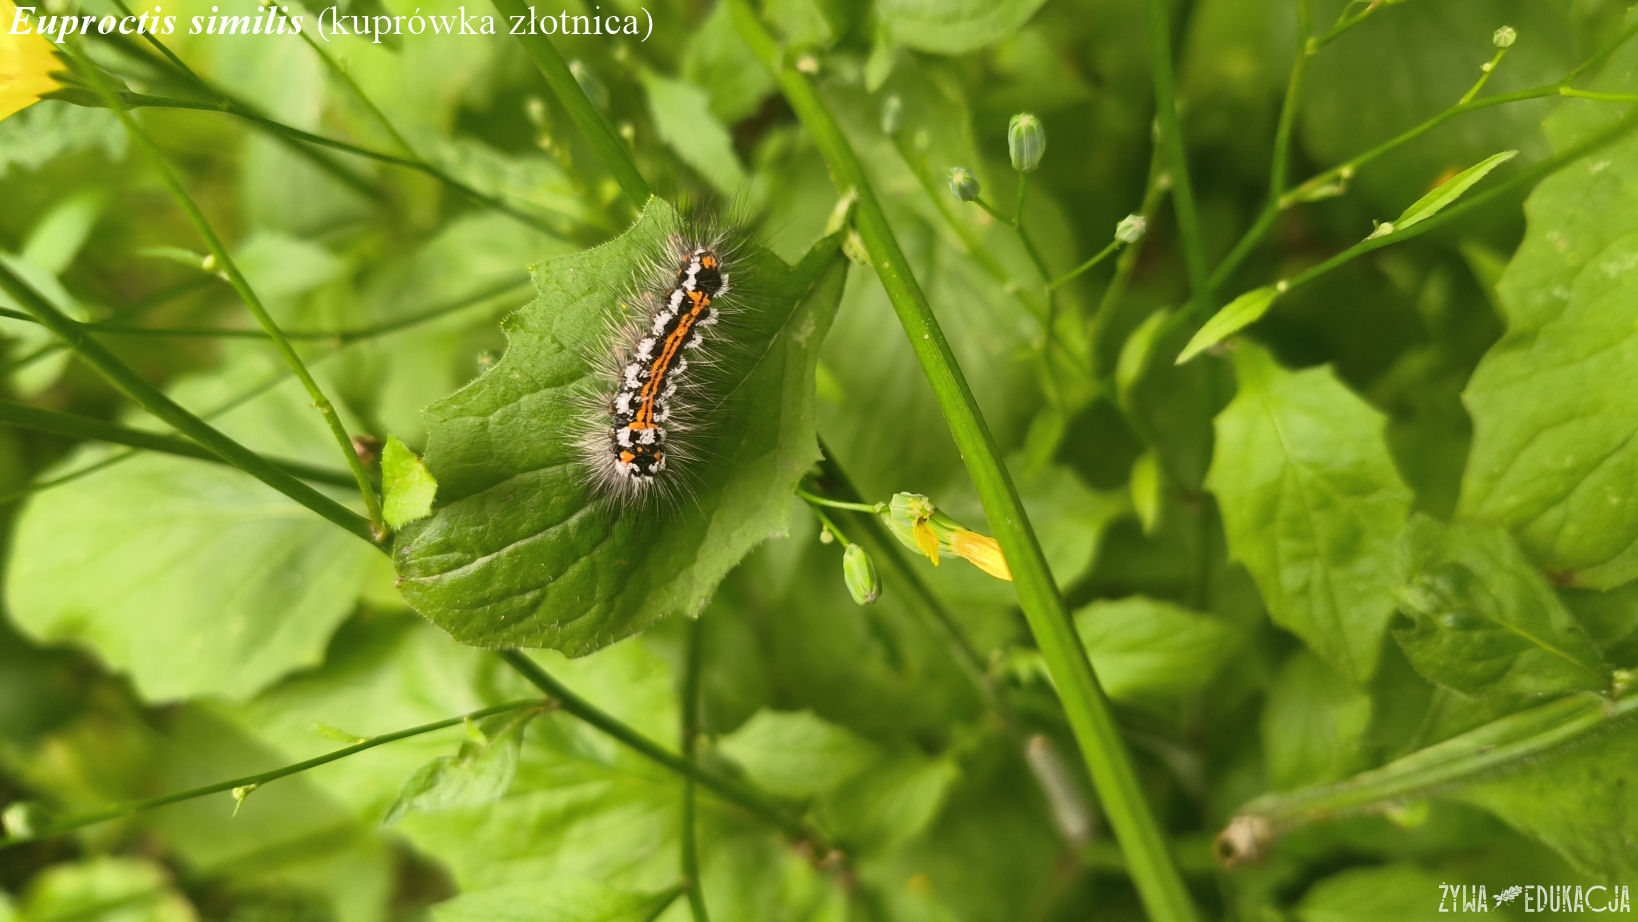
[963,184]
[1026,142]
[1504,37]
[1131,229]
[859,572]
[920,526]
[892,116]
[23,819]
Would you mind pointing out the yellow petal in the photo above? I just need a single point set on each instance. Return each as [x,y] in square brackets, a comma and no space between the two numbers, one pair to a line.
[26,63]
[982,552]
[926,539]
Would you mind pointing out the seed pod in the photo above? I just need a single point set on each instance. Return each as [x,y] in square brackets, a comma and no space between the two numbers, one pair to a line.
[1026,142]
[859,572]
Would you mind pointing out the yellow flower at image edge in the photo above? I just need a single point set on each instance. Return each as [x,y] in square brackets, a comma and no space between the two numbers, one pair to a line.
[26,63]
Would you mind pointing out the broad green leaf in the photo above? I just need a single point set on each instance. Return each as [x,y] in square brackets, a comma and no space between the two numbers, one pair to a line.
[407,487]
[720,61]
[683,117]
[519,552]
[207,581]
[1141,646]
[1311,506]
[104,889]
[1554,456]
[796,753]
[559,898]
[1483,619]
[890,803]
[1230,319]
[1449,191]
[1576,800]
[1392,891]
[1313,725]
[953,26]
[479,773]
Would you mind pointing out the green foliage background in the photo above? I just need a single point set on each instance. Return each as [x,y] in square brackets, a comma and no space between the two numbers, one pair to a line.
[1362,576]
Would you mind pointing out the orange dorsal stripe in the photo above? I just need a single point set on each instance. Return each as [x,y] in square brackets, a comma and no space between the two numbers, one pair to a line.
[662,364]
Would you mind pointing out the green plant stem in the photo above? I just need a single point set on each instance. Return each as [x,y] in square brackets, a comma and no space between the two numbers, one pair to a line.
[252,781]
[690,737]
[341,337]
[1574,93]
[1524,177]
[1154,190]
[73,426]
[1484,76]
[1344,23]
[279,129]
[731,791]
[599,134]
[1088,710]
[1076,272]
[1509,741]
[816,500]
[224,261]
[144,305]
[1171,141]
[1280,169]
[151,399]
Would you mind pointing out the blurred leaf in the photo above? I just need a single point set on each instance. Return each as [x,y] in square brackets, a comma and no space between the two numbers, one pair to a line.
[56,238]
[560,898]
[49,130]
[796,754]
[720,61]
[1391,891]
[280,266]
[1574,800]
[1447,192]
[1553,419]
[1311,506]
[1484,620]
[27,337]
[106,890]
[519,553]
[207,581]
[407,487]
[1313,725]
[1141,646]
[1230,319]
[953,26]
[890,803]
[479,773]
[683,117]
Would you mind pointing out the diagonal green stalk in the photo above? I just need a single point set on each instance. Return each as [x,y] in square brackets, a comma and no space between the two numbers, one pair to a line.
[372,502]
[253,781]
[690,737]
[1171,144]
[604,142]
[73,426]
[729,790]
[1089,712]
[151,399]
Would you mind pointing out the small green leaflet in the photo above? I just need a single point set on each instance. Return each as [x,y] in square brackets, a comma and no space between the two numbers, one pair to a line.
[1442,195]
[407,487]
[1235,316]
[518,551]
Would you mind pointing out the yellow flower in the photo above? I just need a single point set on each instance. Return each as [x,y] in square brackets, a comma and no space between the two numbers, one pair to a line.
[920,526]
[26,63]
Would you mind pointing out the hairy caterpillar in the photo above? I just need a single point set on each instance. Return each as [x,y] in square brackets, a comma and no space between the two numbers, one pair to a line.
[657,376]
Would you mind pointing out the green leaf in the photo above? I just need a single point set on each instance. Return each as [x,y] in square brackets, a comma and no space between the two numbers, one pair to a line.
[682,115]
[1575,800]
[560,898]
[105,889]
[207,581]
[796,753]
[1141,646]
[953,26]
[1392,891]
[479,773]
[407,487]
[1313,725]
[1484,620]
[519,552]
[1230,319]
[1553,413]
[1449,191]
[891,803]
[1311,506]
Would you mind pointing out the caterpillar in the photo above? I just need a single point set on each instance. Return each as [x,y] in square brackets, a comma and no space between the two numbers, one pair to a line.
[656,379]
